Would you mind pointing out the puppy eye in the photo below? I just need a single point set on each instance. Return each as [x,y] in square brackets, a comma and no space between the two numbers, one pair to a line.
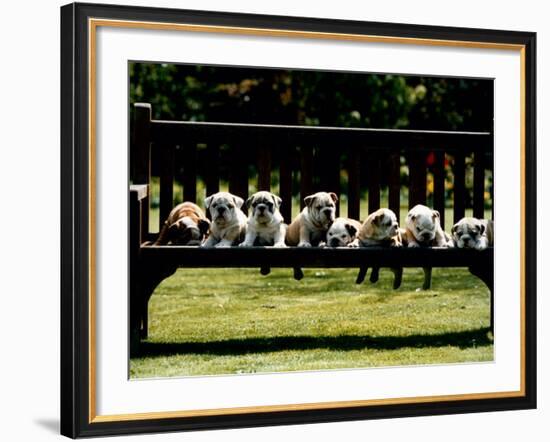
[343,235]
[230,206]
[319,207]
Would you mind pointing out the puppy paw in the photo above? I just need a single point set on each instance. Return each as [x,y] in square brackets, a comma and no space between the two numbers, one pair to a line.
[353,245]
[304,244]
[244,244]
[413,244]
[397,245]
[222,245]
[280,245]
[480,246]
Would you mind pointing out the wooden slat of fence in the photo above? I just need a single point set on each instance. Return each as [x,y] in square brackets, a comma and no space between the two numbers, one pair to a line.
[373,179]
[212,169]
[354,184]
[439,184]
[264,167]
[479,185]
[459,203]
[394,183]
[189,179]
[167,157]
[306,173]
[417,179]
[285,181]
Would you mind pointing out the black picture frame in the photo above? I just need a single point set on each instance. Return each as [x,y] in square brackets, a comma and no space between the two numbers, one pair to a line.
[76,419]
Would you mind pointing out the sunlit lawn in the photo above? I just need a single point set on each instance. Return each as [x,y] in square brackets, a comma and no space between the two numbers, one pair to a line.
[220,321]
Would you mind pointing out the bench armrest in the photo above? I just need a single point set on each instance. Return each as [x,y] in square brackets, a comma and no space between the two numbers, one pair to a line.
[140,190]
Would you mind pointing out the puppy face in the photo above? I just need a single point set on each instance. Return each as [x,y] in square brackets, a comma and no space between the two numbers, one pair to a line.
[185,232]
[341,233]
[223,207]
[264,205]
[423,223]
[322,208]
[381,225]
[468,232]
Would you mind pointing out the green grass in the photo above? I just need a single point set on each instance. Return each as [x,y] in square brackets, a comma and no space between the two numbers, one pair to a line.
[227,321]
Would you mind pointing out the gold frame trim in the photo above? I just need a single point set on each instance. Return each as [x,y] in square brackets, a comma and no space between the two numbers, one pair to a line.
[93,24]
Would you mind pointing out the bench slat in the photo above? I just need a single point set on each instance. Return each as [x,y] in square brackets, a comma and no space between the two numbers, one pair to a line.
[439,185]
[196,257]
[354,184]
[373,177]
[238,172]
[306,173]
[479,185]
[189,179]
[212,169]
[264,166]
[329,170]
[459,202]
[285,181]
[417,178]
[167,156]
[394,184]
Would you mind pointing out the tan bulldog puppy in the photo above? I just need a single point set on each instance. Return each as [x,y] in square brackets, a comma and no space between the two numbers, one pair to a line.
[186,225]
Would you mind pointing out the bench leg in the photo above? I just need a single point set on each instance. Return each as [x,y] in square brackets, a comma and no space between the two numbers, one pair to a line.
[361,275]
[485,273]
[143,285]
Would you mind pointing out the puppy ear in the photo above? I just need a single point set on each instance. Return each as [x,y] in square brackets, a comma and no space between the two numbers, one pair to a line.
[435,214]
[453,229]
[278,201]
[309,200]
[238,201]
[481,228]
[208,201]
[204,225]
[351,230]
[173,229]
[333,196]
[249,202]
[376,220]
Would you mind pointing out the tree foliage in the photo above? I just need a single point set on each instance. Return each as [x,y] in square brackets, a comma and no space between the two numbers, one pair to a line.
[279,96]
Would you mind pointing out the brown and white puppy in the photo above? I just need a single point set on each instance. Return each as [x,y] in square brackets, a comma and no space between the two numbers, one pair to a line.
[473,233]
[342,232]
[380,229]
[310,227]
[423,229]
[186,225]
[228,225]
[265,225]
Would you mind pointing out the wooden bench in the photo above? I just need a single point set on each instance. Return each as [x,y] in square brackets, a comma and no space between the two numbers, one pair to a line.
[306,159]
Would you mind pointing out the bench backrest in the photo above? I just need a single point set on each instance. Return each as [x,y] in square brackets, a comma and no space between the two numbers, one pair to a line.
[308,159]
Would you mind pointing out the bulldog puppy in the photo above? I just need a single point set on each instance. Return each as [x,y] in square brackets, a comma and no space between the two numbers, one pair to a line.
[265,225]
[423,229]
[228,225]
[380,229]
[186,225]
[310,227]
[473,233]
[342,232]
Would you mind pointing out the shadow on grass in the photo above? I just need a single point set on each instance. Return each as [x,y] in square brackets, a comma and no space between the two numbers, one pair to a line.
[465,339]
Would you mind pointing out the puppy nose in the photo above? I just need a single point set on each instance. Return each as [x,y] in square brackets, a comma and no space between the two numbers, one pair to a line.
[426,235]
[261,208]
[221,209]
[395,225]
[333,242]
[466,240]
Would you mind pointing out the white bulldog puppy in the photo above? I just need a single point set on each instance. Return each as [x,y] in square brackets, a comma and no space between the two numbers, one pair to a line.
[473,233]
[423,228]
[310,227]
[228,225]
[380,229]
[342,232]
[266,226]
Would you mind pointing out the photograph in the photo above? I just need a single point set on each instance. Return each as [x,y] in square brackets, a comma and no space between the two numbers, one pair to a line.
[354,210]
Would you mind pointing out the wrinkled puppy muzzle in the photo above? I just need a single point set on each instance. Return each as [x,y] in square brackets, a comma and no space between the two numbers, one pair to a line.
[328,214]
[335,242]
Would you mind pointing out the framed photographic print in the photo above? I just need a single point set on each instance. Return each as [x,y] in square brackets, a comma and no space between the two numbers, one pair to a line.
[275,220]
